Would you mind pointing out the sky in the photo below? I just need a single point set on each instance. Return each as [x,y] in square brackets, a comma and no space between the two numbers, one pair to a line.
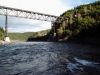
[52,7]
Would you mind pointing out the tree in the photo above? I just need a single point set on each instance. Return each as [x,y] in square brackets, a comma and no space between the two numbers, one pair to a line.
[85,23]
[1,33]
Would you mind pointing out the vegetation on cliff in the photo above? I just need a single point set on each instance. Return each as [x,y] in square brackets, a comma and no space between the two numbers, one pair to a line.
[39,36]
[83,21]
[1,33]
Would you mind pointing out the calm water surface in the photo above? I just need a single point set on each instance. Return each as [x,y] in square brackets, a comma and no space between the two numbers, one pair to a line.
[48,58]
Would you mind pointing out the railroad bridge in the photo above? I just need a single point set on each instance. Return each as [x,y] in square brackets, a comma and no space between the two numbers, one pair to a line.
[14,12]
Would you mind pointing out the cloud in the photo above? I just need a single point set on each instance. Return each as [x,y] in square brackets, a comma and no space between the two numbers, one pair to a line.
[28,28]
[54,7]
[26,25]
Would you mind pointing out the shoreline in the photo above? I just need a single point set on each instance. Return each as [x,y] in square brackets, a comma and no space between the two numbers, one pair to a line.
[2,42]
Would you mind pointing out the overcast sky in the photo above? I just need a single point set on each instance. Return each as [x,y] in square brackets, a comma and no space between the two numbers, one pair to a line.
[52,7]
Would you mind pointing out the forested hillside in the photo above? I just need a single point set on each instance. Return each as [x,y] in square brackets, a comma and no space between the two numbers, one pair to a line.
[83,22]
[27,35]
[39,36]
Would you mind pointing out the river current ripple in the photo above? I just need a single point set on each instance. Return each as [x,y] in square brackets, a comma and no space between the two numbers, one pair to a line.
[45,58]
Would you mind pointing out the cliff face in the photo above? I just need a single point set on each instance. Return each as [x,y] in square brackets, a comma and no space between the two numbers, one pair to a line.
[83,22]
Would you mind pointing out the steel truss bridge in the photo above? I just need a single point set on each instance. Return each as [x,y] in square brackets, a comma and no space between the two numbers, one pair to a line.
[26,14]
[13,12]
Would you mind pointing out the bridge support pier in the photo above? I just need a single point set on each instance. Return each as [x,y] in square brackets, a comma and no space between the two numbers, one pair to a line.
[6,38]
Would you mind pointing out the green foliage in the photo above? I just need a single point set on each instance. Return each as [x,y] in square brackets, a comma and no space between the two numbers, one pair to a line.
[68,32]
[60,31]
[1,33]
[83,20]
[26,35]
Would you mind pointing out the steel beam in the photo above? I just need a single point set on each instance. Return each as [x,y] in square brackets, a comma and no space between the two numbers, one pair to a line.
[26,14]
[30,14]
[6,25]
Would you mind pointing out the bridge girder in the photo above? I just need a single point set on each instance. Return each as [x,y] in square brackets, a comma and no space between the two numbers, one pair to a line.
[26,14]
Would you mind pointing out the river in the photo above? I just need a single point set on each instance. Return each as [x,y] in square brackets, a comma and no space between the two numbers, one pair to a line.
[48,58]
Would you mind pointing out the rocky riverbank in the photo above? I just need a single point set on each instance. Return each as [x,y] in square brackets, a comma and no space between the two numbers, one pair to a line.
[5,42]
